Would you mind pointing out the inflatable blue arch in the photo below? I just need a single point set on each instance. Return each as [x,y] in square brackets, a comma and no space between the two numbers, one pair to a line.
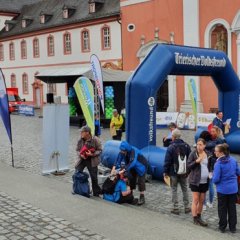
[142,87]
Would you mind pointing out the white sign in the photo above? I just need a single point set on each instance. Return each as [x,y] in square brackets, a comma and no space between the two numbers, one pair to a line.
[164,118]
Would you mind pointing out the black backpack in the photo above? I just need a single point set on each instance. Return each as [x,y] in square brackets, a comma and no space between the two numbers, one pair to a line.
[109,184]
[181,156]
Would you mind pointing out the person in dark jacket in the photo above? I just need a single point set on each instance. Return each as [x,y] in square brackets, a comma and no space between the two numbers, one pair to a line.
[218,121]
[225,175]
[178,148]
[89,159]
[136,166]
[199,166]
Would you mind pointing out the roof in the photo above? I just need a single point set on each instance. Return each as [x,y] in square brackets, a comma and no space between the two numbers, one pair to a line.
[14,6]
[107,9]
[63,75]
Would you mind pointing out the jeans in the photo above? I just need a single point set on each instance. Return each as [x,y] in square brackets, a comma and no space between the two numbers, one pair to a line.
[211,192]
[227,212]
[182,180]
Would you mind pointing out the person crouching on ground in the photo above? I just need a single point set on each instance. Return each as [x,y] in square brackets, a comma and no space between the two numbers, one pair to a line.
[90,158]
[175,167]
[199,166]
[225,175]
[122,192]
[136,166]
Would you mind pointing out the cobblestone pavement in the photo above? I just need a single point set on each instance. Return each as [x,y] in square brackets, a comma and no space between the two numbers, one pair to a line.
[20,220]
[27,143]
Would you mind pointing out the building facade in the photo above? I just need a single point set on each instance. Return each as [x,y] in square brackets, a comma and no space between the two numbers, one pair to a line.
[58,34]
[199,23]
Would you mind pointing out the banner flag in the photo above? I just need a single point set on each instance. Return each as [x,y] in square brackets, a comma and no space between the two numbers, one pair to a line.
[97,75]
[4,110]
[85,94]
[192,88]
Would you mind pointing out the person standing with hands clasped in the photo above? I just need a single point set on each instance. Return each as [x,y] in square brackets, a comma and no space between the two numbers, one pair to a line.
[89,149]
[225,175]
[116,125]
[199,165]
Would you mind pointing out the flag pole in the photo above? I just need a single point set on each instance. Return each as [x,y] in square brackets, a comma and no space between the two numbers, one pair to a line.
[12,156]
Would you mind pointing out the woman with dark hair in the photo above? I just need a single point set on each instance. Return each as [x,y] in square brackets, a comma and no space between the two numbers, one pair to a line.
[198,165]
[225,175]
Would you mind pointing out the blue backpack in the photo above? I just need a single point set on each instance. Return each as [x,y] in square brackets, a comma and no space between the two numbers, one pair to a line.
[81,184]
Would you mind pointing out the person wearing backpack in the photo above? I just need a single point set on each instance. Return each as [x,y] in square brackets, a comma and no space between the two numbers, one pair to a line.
[135,165]
[121,193]
[175,167]
[199,165]
[90,158]
[116,125]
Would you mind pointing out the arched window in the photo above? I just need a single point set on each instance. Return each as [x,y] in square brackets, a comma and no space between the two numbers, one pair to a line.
[11,51]
[36,48]
[50,44]
[23,49]
[85,41]
[25,83]
[106,38]
[219,40]
[67,43]
[13,80]
[1,52]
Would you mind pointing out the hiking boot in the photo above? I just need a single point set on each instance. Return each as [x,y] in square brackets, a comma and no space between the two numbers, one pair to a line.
[187,210]
[201,222]
[141,200]
[175,211]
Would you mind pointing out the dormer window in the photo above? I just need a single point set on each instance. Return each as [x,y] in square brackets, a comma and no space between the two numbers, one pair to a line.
[24,24]
[95,5]
[65,13]
[9,24]
[45,17]
[26,20]
[68,11]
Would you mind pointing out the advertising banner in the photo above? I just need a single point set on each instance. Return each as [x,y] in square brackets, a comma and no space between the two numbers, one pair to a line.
[192,88]
[26,110]
[85,94]
[164,118]
[4,111]
[97,75]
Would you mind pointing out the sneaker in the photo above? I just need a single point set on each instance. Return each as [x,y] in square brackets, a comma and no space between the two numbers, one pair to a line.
[233,230]
[204,208]
[141,200]
[187,210]
[221,230]
[135,201]
[195,221]
[201,222]
[210,205]
[175,211]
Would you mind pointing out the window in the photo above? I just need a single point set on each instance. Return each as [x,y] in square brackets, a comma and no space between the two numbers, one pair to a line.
[67,43]
[25,83]
[11,51]
[7,27]
[1,52]
[85,41]
[52,88]
[13,80]
[23,49]
[35,48]
[50,44]
[106,41]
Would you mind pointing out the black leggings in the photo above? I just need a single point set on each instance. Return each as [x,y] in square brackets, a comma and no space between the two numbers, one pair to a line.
[126,199]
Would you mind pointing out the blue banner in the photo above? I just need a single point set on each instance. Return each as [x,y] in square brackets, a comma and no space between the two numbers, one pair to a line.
[4,111]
